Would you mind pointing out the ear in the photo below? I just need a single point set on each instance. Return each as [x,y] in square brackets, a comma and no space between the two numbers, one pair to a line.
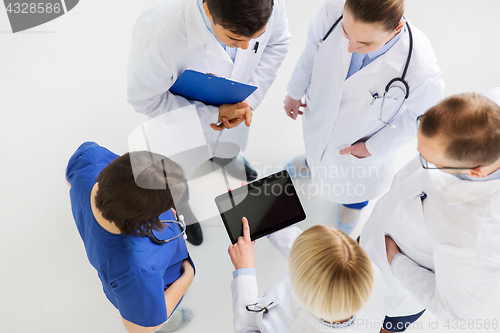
[476,173]
[205,5]
[400,25]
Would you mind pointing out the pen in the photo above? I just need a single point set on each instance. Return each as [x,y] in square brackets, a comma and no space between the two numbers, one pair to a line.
[374,98]
[256,47]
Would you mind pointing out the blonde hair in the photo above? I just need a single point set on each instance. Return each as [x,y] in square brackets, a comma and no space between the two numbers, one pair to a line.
[330,274]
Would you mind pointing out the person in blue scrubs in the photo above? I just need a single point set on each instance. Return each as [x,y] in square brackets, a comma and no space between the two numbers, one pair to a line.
[116,202]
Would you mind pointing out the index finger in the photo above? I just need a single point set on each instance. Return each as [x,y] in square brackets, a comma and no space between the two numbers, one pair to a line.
[246,228]
[346,151]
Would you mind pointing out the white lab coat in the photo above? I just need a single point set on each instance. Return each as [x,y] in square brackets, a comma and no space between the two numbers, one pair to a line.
[450,240]
[170,36]
[286,314]
[342,112]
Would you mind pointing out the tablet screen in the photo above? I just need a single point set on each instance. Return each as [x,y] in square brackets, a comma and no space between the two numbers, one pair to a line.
[269,204]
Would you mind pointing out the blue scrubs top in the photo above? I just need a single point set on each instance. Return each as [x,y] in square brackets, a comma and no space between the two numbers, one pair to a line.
[134,271]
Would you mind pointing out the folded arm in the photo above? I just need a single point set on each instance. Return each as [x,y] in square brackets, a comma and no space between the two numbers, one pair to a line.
[461,287]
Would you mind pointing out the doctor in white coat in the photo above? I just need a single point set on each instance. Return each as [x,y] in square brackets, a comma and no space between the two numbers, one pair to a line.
[323,262]
[243,40]
[171,36]
[343,73]
[435,234]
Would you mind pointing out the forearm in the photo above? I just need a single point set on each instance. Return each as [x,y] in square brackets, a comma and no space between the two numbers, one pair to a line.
[459,288]
[283,239]
[174,293]
[319,25]
[244,292]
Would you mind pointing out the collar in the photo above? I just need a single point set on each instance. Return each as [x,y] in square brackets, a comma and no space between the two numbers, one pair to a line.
[460,191]
[336,325]
[208,24]
[373,55]
[395,55]
[492,176]
[197,34]
[398,51]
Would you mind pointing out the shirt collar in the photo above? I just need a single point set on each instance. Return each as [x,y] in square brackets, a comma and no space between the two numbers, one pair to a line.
[387,46]
[492,176]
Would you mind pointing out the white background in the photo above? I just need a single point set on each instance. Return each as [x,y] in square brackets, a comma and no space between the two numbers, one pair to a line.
[64,83]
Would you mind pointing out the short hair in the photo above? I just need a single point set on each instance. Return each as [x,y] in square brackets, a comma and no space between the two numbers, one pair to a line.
[241,17]
[133,202]
[388,13]
[330,274]
[469,124]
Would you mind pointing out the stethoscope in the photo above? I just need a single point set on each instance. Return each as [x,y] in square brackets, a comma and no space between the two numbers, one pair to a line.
[394,83]
[151,234]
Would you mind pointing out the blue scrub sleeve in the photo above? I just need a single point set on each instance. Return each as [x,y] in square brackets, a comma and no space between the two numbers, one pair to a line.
[140,298]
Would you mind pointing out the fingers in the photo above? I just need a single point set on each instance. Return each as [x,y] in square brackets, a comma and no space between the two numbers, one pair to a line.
[346,151]
[248,116]
[217,127]
[246,229]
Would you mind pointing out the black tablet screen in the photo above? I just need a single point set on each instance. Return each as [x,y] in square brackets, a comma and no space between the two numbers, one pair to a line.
[270,204]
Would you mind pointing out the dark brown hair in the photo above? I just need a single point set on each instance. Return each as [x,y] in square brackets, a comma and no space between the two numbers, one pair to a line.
[134,191]
[388,13]
[469,124]
[241,17]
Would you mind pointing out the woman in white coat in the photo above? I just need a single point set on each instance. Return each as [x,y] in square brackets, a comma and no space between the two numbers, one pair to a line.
[343,73]
[331,285]
[435,233]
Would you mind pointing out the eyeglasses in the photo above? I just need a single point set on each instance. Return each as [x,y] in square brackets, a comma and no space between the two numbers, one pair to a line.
[429,166]
[158,238]
[256,308]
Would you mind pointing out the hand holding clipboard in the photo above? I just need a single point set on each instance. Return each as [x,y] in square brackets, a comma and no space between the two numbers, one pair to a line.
[210,89]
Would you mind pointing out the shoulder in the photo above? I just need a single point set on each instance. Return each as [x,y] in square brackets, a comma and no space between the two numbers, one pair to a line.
[160,15]
[423,57]
[334,7]
[88,158]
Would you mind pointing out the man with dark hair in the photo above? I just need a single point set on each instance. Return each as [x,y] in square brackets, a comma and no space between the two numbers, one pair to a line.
[244,40]
[435,233]
[120,204]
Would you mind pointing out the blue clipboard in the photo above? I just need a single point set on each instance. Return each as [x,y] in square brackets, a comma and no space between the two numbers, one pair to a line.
[210,89]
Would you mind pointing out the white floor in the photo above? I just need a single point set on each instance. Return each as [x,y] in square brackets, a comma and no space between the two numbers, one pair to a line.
[64,83]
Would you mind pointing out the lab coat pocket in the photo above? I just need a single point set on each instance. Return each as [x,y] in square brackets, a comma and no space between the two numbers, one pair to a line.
[370,105]
[254,53]
[413,215]
[359,178]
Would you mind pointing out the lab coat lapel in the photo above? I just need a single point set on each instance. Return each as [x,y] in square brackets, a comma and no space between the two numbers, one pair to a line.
[199,35]
[465,190]
[346,56]
[397,54]
[196,30]
[460,191]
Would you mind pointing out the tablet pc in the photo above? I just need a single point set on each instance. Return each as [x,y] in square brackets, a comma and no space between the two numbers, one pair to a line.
[269,204]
